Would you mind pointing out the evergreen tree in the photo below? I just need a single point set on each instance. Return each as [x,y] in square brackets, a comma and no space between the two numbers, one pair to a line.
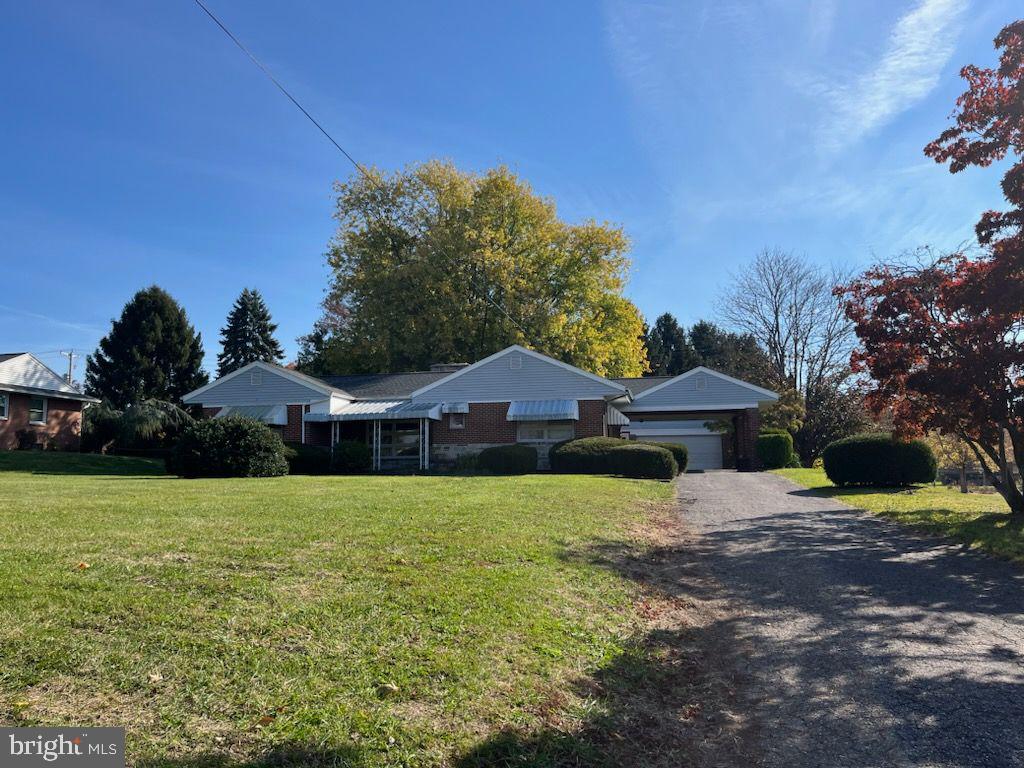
[248,335]
[151,352]
[734,354]
[668,349]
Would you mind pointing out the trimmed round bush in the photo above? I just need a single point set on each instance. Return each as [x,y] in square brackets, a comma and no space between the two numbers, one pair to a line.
[508,460]
[775,449]
[351,457]
[613,456]
[231,447]
[678,451]
[879,460]
[307,459]
[587,455]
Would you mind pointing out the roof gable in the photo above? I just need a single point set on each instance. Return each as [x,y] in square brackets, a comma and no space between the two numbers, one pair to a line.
[518,373]
[25,372]
[262,383]
[703,388]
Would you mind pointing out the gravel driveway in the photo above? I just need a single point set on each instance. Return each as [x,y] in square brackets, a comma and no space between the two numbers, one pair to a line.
[867,645]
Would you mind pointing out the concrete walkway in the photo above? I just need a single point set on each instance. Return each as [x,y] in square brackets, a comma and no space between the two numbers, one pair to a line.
[867,644]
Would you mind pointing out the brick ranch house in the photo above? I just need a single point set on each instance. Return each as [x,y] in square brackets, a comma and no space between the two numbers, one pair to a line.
[38,408]
[517,395]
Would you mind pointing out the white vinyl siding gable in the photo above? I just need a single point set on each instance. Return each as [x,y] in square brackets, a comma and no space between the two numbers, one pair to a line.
[701,390]
[516,375]
[27,372]
[272,389]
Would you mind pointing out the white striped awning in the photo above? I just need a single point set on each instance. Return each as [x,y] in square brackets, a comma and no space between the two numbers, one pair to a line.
[543,410]
[268,414]
[617,417]
[374,410]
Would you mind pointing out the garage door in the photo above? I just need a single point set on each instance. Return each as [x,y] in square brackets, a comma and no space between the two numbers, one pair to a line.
[705,450]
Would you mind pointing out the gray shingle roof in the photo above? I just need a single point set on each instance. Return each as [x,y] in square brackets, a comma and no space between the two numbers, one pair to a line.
[638,385]
[383,386]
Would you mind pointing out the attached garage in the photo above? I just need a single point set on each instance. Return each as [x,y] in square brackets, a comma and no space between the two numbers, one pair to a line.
[704,447]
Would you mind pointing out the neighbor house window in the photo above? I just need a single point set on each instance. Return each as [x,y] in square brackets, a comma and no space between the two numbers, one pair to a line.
[37,410]
[545,431]
[3,405]
[456,421]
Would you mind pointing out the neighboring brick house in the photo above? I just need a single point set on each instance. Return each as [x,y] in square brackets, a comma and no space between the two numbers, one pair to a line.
[38,408]
[514,396]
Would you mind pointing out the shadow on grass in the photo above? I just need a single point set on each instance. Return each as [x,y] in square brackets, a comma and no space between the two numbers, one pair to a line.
[674,698]
[281,756]
[89,464]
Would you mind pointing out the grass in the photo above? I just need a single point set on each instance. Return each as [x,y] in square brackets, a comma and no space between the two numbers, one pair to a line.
[377,621]
[979,520]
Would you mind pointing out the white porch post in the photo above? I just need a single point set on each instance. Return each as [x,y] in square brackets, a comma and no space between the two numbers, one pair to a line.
[426,443]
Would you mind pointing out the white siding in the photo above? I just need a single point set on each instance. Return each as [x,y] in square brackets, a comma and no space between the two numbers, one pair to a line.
[26,371]
[274,389]
[685,393]
[518,376]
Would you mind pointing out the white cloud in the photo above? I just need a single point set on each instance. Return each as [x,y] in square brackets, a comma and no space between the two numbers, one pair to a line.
[919,46]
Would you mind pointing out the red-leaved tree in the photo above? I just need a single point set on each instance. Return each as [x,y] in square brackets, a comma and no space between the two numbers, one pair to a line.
[943,341]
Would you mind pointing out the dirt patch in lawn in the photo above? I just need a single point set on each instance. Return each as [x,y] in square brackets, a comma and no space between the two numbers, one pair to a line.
[675,697]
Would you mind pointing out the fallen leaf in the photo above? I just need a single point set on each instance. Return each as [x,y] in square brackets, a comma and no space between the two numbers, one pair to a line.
[83,565]
[155,677]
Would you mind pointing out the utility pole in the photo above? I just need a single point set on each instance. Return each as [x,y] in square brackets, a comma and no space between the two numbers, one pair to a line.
[70,355]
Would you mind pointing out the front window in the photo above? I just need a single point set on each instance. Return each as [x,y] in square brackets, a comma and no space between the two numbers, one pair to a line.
[37,410]
[399,440]
[545,431]
[3,405]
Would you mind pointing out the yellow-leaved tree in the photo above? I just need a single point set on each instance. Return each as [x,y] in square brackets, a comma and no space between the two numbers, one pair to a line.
[434,264]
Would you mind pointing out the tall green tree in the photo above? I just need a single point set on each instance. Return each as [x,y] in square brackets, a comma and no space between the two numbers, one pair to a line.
[248,335]
[669,352]
[436,264]
[734,354]
[151,353]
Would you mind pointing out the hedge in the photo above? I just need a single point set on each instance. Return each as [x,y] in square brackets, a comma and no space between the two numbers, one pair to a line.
[613,456]
[351,458]
[231,447]
[307,459]
[879,460]
[775,449]
[508,460]
[678,451]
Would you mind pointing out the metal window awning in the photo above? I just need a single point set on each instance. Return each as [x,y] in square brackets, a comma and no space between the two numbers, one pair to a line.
[380,410]
[617,417]
[455,407]
[543,410]
[268,414]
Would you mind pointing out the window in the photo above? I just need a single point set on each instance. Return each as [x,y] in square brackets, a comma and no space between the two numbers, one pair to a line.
[456,421]
[399,440]
[256,378]
[37,410]
[545,431]
[3,405]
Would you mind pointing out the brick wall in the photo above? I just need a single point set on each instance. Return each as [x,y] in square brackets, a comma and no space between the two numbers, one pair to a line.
[292,432]
[591,423]
[63,423]
[748,423]
[486,423]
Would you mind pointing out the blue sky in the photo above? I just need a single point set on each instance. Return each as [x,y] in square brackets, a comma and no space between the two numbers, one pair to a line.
[139,146]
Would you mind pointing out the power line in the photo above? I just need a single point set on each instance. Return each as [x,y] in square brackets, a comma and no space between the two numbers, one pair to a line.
[358,166]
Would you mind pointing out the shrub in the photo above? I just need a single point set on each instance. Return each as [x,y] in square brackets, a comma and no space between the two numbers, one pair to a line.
[307,459]
[678,451]
[879,460]
[467,462]
[794,462]
[775,449]
[613,456]
[231,447]
[508,460]
[588,455]
[351,458]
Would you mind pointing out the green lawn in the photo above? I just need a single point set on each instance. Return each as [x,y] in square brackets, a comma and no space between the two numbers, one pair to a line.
[975,519]
[372,621]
